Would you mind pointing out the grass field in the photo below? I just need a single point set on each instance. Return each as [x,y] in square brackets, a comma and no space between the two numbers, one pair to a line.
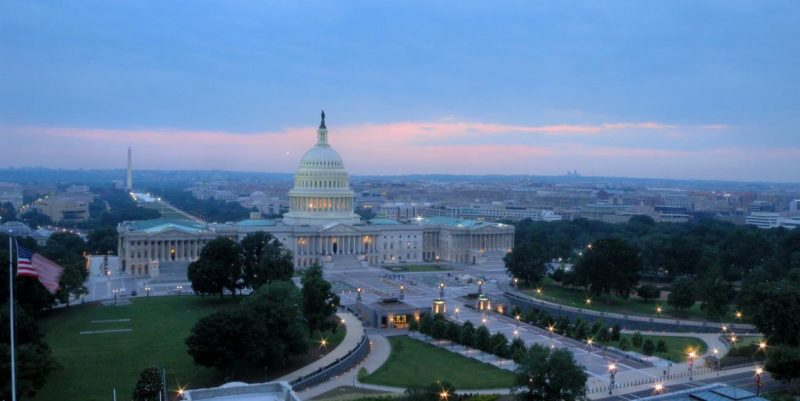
[166,212]
[678,346]
[415,363]
[95,364]
[416,268]
[634,305]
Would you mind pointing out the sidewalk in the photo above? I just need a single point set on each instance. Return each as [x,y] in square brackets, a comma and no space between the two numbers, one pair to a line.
[354,332]
[379,350]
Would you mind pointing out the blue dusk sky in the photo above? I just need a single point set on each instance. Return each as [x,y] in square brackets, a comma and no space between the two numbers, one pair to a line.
[668,89]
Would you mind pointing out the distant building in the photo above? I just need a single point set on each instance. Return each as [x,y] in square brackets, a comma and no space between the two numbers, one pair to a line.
[767,220]
[70,207]
[321,228]
[794,206]
[11,193]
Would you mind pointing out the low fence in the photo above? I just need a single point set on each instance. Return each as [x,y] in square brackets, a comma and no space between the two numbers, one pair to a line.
[335,368]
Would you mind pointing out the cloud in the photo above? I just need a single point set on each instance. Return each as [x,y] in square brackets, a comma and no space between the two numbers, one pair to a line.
[393,148]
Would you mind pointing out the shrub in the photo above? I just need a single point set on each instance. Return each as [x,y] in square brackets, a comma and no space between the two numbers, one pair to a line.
[648,347]
[637,339]
[661,347]
[624,344]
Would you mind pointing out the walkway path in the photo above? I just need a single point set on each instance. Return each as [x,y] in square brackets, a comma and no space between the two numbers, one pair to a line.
[379,350]
[508,289]
[355,330]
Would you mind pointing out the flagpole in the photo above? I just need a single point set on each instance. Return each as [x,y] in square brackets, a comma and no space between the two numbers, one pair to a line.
[11,318]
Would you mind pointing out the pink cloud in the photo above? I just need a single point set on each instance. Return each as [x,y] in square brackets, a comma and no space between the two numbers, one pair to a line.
[393,148]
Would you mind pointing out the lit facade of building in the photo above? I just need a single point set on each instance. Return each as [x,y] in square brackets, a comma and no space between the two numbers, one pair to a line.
[321,228]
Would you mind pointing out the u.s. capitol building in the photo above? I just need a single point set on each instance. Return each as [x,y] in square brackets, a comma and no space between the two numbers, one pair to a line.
[321,228]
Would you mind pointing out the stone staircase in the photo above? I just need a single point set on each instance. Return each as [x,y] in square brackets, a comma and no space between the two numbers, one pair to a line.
[171,272]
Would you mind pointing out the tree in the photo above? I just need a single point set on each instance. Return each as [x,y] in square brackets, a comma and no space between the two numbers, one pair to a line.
[624,344]
[608,266]
[517,349]
[264,331]
[467,337]
[439,327]
[783,363]
[264,259]
[615,330]
[35,360]
[648,347]
[648,292]
[319,301]
[149,385]
[715,296]
[413,325]
[527,261]
[543,375]
[103,241]
[453,331]
[637,339]
[67,250]
[483,339]
[778,315]
[661,347]
[500,345]
[682,296]
[426,324]
[218,268]
[227,340]
[742,251]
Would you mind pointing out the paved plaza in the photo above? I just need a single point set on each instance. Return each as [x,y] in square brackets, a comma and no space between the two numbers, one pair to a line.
[420,288]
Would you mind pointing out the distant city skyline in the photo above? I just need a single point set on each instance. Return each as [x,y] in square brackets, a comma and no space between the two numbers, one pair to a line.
[663,90]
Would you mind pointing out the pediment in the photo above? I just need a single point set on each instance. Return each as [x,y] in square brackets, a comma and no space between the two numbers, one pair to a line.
[339,228]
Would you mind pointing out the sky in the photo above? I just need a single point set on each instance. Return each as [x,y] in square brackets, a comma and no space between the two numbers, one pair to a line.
[661,89]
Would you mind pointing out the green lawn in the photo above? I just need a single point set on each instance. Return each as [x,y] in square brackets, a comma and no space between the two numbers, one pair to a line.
[634,305]
[416,268]
[166,212]
[678,347]
[414,363]
[95,364]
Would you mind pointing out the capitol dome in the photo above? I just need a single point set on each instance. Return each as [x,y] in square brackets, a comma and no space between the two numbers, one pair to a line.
[321,192]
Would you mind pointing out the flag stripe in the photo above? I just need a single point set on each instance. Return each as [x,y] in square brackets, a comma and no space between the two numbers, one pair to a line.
[31,264]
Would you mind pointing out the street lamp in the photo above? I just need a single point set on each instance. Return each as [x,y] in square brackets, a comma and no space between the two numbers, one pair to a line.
[179,288]
[739,315]
[716,356]
[658,388]
[589,341]
[115,294]
[658,309]
[588,301]
[147,291]
[550,330]
[692,355]
[762,345]
[759,371]
[516,332]
[443,395]
[612,372]
[539,291]
[457,313]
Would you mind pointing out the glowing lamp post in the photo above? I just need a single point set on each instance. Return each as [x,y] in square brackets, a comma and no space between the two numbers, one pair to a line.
[658,309]
[692,356]
[759,371]
[358,294]
[658,388]
[612,372]
[402,291]
[147,291]
[716,356]
[115,291]
[180,289]
[550,330]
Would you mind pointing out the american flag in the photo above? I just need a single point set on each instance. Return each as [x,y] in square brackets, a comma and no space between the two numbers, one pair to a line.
[31,264]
